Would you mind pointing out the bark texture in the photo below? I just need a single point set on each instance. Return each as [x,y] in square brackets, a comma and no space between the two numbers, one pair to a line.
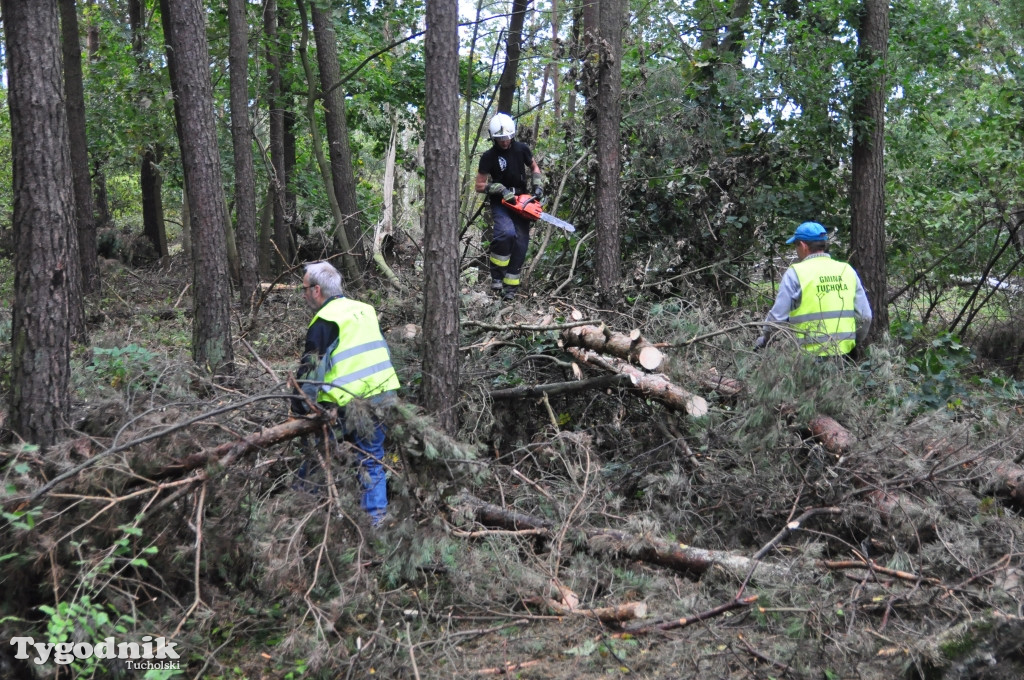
[632,347]
[44,221]
[278,181]
[441,216]
[241,143]
[603,21]
[150,179]
[655,385]
[336,124]
[867,188]
[513,48]
[79,148]
[188,62]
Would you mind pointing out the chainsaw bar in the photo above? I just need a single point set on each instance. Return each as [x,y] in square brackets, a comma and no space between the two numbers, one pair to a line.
[560,223]
[529,207]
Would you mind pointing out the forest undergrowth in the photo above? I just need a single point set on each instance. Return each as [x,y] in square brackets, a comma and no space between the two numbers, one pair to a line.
[581,533]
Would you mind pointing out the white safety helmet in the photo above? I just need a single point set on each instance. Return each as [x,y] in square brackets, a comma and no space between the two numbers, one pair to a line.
[502,126]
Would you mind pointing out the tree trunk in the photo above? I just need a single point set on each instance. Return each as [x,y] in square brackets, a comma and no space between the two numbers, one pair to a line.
[513,47]
[150,179]
[188,63]
[632,347]
[342,174]
[151,186]
[75,106]
[441,216]
[603,21]
[650,549]
[350,267]
[867,188]
[43,220]
[266,252]
[275,99]
[656,385]
[99,194]
[241,142]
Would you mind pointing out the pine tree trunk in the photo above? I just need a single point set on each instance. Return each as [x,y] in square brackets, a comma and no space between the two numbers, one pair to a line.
[151,186]
[44,221]
[150,179]
[603,20]
[441,214]
[336,123]
[188,63]
[75,106]
[241,142]
[278,181]
[867,188]
[513,48]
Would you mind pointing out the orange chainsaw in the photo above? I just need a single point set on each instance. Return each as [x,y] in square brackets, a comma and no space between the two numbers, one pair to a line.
[529,207]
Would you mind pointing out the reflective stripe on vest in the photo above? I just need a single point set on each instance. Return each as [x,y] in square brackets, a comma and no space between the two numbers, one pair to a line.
[362,368]
[825,322]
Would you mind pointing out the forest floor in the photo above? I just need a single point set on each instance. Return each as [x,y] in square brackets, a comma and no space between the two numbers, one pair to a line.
[753,542]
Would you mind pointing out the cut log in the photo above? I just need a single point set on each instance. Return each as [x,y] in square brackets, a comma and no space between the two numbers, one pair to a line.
[825,430]
[627,611]
[656,385]
[727,387]
[632,346]
[833,436]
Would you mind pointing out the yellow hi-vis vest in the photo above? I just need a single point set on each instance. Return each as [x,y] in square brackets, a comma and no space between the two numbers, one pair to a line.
[824,322]
[361,367]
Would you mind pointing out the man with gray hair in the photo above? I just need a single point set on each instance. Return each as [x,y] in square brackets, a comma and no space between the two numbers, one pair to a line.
[345,358]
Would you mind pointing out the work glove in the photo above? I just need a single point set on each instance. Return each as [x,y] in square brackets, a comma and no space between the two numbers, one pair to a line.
[499,189]
[538,193]
[760,343]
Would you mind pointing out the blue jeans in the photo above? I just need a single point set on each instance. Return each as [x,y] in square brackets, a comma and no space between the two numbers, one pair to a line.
[508,247]
[372,475]
[370,457]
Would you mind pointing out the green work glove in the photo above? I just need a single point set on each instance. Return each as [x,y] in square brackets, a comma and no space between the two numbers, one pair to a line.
[499,189]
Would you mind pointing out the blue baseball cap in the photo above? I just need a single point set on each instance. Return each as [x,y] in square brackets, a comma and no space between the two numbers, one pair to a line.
[809,231]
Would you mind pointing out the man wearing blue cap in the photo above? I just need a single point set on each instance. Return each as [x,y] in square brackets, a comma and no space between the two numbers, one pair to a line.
[821,299]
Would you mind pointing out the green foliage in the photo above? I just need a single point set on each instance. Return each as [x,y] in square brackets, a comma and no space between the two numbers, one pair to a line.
[938,371]
[129,366]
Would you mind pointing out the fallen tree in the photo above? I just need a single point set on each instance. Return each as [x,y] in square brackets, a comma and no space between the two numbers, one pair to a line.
[654,385]
[631,347]
[652,550]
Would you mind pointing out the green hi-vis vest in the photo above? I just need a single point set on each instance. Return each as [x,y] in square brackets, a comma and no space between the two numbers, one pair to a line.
[824,322]
[362,368]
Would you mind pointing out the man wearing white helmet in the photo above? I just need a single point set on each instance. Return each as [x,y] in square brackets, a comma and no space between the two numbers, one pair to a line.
[504,171]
